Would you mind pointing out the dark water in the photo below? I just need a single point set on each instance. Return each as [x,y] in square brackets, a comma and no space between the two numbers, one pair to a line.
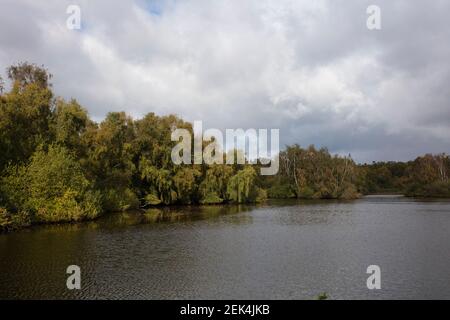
[280,250]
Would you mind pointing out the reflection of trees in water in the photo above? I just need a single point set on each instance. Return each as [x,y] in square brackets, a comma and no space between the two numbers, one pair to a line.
[193,213]
[153,215]
[309,211]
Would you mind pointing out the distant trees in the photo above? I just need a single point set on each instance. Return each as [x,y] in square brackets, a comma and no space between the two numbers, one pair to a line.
[428,176]
[312,173]
[382,177]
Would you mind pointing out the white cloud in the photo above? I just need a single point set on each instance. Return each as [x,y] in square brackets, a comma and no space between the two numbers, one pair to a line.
[310,68]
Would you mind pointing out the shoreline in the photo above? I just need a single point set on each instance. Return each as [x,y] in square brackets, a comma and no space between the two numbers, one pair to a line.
[218,205]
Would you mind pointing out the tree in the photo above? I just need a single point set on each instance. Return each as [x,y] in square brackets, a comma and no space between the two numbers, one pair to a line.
[2,85]
[158,179]
[428,176]
[312,173]
[70,121]
[57,164]
[213,188]
[241,187]
[25,114]
[110,160]
[25,73]
[51,188]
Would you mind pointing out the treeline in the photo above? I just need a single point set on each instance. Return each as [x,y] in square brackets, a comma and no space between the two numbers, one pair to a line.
[313,174]
[426,176]
[57,165]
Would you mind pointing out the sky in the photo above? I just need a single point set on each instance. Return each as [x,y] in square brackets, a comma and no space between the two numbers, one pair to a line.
[309,68]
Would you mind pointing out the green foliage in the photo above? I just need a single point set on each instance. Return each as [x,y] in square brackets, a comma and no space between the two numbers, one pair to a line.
[161,184]
[4,219]
[382,177]
[69,206]
[119,200]
[10,222]
[152,200]
[314,174]
[25,73]
[158,180]
[13,187]
[211,198]
[322,296]
[241,187]
[261,195]
[69,124]
[52,187]
[307,192]
[213,188]
[58,165]
[281,191]
[110,151]
[25,116]
[185,184]
[426,176]
[349,192]
[436,189]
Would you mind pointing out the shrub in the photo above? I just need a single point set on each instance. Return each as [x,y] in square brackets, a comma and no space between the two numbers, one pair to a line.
[308,193]
[211,198]
[261,195]
[68,208]
[5,220]
[52,187]
[282,191]
[322,296]
[10,221]
[349,192]
[435,189]
[13,187]
[152,200]
[120,200]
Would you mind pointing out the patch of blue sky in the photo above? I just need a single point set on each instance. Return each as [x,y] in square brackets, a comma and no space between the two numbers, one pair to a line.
[154,7]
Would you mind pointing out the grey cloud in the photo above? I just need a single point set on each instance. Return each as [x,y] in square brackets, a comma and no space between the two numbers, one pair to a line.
[310,68]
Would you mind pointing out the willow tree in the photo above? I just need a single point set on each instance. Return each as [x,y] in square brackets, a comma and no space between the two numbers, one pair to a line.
[241,186]
[213,188]
[110,160]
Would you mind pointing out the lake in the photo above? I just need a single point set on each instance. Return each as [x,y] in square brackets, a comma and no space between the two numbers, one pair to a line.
[286,249]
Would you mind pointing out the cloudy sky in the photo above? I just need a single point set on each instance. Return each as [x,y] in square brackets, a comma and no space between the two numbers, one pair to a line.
[310,68]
